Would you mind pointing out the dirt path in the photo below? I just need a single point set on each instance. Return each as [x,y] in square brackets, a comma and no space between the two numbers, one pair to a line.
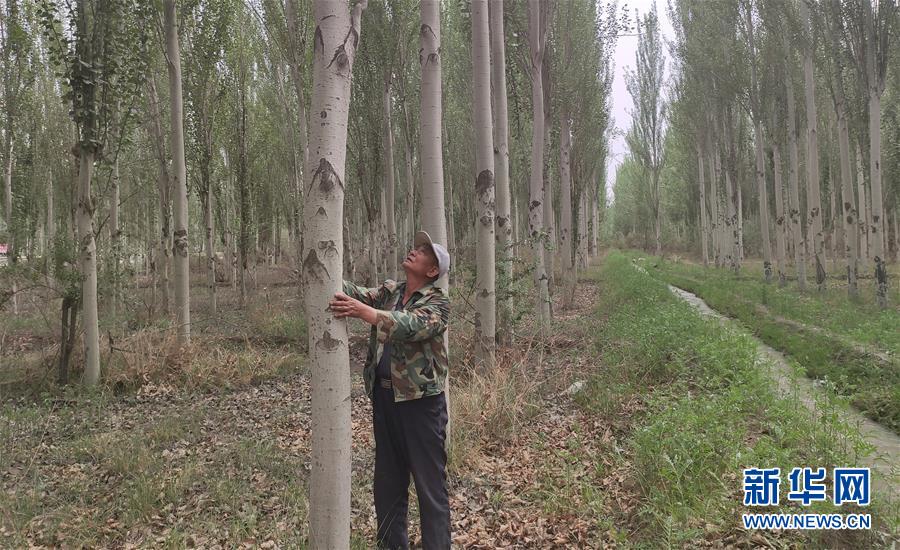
[886,456]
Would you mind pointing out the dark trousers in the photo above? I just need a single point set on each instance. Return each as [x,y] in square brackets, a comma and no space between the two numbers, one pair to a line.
[409,438]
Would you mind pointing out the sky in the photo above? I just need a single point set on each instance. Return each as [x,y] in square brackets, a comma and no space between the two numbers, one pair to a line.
[626,48]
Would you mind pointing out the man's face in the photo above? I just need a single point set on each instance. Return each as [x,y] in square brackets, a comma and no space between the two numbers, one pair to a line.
[422,262]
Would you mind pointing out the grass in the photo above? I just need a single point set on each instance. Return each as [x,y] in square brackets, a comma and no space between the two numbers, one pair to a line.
[698,409]
[869,378]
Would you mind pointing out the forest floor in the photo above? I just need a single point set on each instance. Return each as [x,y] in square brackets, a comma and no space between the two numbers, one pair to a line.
[208,446]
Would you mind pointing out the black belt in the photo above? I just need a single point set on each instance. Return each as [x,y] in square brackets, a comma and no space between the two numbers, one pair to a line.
[385,383]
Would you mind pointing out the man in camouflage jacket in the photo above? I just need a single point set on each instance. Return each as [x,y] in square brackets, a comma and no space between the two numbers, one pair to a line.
[405,374]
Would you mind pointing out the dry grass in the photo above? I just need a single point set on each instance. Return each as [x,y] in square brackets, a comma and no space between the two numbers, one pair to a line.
[491,408]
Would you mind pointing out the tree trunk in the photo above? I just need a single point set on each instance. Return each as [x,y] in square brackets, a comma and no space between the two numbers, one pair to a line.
[180,235]
[87,249]
[850,224]
[814,227]
[657,210]
[835,225]
[537,234]
[163,186]
[297,59]
[551,250]
[704,244]
[334,49]
[501,168]
[582,237]
[794,218]
[715,223]
[210,250]
[862,210]
[115,239]
[243,244]
[430,139]
[565,198]
[390,235]
[897,234]
[779,216]
[758,141]
[599,194]
[485,274]
[733,252]
[51,217]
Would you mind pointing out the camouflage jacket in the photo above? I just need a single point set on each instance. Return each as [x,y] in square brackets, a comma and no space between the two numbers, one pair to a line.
[418,359]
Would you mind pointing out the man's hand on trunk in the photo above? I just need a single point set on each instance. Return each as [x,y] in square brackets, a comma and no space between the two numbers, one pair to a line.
[344,306]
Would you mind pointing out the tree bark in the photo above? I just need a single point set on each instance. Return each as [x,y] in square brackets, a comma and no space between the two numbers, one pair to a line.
[794,218]
[875,89]
[537,234]
[434,219]
[850,224]
[501,169]
[704,244]
[180,234]
[759,145]
[715,222]
[163,185]
[88,263]
[334,50]
[390,222]
[485,273]
[733,252]
[779,216]
[115,239]
[814,227]
[296,59]
[565,207]
[210,251]
[863,211]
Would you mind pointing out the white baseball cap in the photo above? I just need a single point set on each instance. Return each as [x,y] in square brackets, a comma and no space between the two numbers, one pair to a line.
[443,257]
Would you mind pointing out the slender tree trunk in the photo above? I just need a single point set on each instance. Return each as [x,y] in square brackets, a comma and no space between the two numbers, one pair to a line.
[51,216]
[210,250]
[733,252]
[850,224]
[779,216]
[657,210]
[180,235]
[296,58]
[759,144]
[595,216]
[863,209]
[501,168]
[485,274]
[794,217]
[814,227]
[87,249]
[163,186]
[390,224]
[551,251]
[334,49]
[7,202]
[704,244]
[115,236]
[565,198]
[582,237]
[434,219]
[243,244]
[537,234]
[835,225]
[715,229]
